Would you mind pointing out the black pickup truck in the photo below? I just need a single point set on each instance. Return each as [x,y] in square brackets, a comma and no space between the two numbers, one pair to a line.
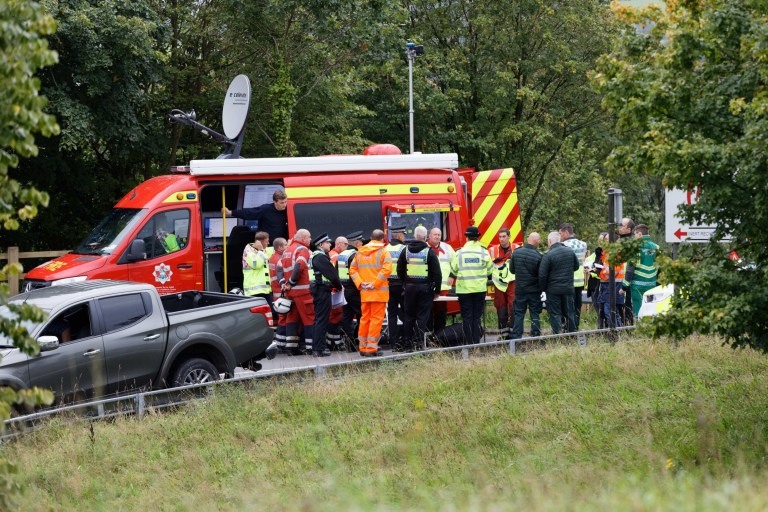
[105,337]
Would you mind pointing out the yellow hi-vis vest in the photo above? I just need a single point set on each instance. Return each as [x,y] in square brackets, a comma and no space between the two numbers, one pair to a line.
[501,276]
[314,275]
[256,273]
[417,264]
[342,264]
[471,264]
[394,254]
[446,256]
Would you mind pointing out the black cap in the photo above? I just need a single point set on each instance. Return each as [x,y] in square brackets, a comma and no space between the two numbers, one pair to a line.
[354,236]
[322,238]
[397,229]
[472,232]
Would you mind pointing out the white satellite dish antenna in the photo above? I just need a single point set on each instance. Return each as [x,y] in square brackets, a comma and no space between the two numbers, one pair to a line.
[236,103]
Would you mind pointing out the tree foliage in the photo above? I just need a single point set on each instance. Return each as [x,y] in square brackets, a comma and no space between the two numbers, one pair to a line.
[22,52]
[690,99]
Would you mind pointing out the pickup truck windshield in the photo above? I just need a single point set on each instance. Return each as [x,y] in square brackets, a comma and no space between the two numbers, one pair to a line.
[111,231]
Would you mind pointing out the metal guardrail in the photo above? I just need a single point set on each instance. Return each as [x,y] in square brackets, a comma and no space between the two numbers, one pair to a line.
[140,403]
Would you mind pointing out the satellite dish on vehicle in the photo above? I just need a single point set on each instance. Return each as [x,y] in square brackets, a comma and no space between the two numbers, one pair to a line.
[236,103]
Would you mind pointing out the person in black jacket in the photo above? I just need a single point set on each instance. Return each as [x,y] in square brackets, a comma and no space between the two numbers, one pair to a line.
[524,263]
[419,269]
[556,279]
[272,217]
[323,278]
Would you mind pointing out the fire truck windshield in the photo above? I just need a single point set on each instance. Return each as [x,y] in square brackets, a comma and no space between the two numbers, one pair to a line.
[112,229]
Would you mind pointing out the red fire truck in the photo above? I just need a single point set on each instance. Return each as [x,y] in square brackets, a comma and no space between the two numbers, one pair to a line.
[333,194]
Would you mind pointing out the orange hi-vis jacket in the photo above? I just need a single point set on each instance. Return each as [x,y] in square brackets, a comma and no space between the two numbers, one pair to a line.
[372,265]
[618,269]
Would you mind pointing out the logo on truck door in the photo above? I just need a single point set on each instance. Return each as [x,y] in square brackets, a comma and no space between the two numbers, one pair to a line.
[162,273]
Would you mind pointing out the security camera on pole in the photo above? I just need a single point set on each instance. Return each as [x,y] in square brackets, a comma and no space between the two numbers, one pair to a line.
[412,50]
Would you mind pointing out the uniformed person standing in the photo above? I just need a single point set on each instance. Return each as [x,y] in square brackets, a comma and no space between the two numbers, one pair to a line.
[419,268]
[370,272]
[472,264]
[353,308]
[256,281]
[395,305]
[295,263]
[324,277]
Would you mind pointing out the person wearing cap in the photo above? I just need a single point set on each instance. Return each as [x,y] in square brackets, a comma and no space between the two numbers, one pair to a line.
[395,305]
[503,281]
[324,278]
[295,263]
[353,308]
[472,265]
[445,254]
[419,270]
[370,272]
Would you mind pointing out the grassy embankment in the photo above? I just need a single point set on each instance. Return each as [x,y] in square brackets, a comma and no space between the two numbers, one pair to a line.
[636,426]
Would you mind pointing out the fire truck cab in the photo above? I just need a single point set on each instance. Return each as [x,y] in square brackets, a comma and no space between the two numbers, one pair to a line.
[169,230]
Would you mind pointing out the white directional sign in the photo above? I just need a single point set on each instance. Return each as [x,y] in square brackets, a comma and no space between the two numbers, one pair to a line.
[675,230]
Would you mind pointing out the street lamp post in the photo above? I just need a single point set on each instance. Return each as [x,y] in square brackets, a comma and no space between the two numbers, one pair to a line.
[412,50]
[615,213]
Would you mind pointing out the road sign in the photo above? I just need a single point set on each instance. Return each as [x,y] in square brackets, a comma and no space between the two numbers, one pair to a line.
[675,230]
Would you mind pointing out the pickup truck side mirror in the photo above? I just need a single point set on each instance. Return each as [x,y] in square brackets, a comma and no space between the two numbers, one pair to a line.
[48,343]
[137,251]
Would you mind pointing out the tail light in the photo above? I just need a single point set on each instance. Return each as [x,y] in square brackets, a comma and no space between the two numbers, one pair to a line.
[265,310]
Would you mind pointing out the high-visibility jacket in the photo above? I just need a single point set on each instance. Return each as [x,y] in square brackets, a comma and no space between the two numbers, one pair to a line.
[580,248]
[645,271]
[273,278]
[255,272]
[501,275]
[372,265]
[471,264]
[417,264]
[445,254]
[342,264]
[394,253]
[618,269]
[168,241]
[314,274]
[295,262]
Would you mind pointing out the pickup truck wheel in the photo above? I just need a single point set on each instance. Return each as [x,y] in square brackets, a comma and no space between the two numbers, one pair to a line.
[194,371]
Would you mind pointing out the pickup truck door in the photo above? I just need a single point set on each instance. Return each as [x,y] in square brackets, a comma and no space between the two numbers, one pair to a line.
[135,334]
[76,367]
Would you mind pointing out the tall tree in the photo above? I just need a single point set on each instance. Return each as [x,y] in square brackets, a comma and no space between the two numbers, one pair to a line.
[691,102]
[101,91]
[505,83]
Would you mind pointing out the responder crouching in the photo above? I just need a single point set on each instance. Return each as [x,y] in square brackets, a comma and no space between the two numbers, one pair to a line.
[421,275]
[325,277]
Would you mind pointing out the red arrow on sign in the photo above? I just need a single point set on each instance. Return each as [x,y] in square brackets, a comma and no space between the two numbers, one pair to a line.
[680,233]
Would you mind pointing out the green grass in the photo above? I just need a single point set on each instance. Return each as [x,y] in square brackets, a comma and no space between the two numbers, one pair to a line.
[639,425]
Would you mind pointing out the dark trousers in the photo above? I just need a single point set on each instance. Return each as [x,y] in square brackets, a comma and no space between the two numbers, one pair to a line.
[559,307]
[394,311]
[438,316]
[603,300]
[576,307]
[321,295]
[352,309]
[417,305]
[531,302]
[472,306]
[504,302]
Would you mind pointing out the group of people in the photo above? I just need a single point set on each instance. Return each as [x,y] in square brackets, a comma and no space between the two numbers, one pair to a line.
[342,290]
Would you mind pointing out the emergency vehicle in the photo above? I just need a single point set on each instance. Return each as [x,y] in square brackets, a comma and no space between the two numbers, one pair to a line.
[169,230]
